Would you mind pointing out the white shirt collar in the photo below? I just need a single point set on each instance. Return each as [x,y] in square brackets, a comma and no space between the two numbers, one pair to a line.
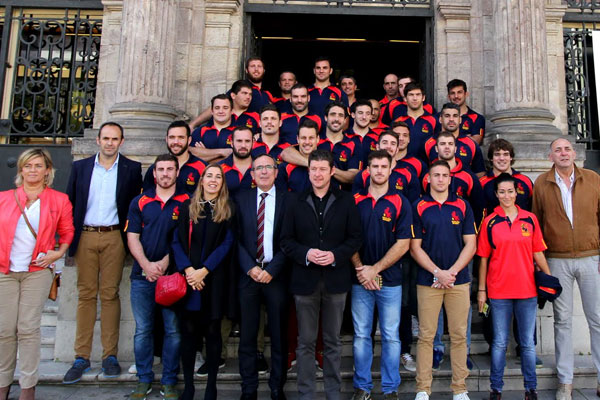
[97,162]
[560,180]
[270,192]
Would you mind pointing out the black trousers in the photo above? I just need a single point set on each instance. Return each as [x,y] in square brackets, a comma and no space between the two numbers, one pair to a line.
[274,296]
[193,328]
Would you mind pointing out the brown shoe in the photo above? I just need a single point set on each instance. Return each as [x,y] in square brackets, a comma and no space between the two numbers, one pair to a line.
[564,391]
[4,391]
[27,394]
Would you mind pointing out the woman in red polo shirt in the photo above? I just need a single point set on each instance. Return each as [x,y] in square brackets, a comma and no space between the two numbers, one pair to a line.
[509,242]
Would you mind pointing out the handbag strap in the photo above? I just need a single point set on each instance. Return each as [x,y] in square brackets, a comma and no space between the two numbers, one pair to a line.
[190,238]
[24,215]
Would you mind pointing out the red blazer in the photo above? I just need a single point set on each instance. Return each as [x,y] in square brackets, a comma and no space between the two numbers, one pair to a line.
[56,216]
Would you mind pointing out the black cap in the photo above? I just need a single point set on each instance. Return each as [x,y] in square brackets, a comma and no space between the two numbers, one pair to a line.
[548,287]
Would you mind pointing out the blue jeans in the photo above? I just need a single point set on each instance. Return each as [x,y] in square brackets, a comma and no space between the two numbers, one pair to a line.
[524,311]
[143,306]
[389,303]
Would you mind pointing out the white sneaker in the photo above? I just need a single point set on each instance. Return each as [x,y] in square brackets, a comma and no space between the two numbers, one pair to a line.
[461,396]
[132,369]
[422,396]
[199,361]
[408,362]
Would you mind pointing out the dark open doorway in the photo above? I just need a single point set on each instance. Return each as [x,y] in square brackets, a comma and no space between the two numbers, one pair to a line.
[367,47]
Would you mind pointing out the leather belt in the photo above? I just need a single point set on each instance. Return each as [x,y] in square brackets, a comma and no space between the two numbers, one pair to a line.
[109,228]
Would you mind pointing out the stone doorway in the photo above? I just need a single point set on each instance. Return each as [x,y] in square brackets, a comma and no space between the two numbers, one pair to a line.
[367,47]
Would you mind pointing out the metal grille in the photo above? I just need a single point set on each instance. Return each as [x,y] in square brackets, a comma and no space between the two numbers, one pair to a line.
[584,5]
[342,3]
[55,76]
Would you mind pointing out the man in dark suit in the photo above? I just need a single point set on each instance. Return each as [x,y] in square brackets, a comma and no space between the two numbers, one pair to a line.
[100,189]
[262,262]
[320,234]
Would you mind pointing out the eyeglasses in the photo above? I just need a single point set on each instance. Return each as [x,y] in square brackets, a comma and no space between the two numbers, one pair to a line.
[261,167]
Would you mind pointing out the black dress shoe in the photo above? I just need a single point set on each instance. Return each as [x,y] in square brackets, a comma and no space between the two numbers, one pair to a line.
[249,396]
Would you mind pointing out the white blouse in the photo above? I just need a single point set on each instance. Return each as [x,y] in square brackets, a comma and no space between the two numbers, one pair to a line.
[24,242]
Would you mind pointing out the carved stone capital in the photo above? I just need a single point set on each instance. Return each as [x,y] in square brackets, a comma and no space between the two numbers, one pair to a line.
[454,9]
[222,7]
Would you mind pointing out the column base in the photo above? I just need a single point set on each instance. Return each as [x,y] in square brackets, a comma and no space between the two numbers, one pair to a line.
[143,120]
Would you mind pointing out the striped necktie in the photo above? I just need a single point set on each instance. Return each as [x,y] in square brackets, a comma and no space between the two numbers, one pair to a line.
[260,227]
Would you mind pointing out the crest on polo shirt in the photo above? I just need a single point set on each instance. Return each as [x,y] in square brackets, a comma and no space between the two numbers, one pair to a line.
[462,152]
[175,215]
[465,125]
[525,230]
[249,124]
[399,184]
[387,215]
[520,189]
[454,218]
[332,97]
[425,129]
[229,140]
[343,156]
[191,180]
[373,146]
[459,191]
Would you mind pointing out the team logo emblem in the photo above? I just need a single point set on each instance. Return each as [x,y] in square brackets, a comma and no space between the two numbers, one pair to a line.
[332,97]
[465,125]
[253,184]
[190,179]
[373,146]
[249,124]
[459,191]
[525,230]
[462,152]
[343,156]
[425,129]
[387,216]
[455,220]
[520,189]
[229,140]
[175,215]
[399,184]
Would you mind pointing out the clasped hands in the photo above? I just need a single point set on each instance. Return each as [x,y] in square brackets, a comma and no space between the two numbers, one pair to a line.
[155,269]
[445,279]
[259,275]
[320,257]
[366,275]
[195,277]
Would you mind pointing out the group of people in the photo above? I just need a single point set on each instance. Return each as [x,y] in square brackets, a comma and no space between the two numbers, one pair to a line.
[275,209]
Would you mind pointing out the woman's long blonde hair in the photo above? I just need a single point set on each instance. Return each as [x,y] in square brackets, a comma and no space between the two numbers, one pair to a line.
[221,208]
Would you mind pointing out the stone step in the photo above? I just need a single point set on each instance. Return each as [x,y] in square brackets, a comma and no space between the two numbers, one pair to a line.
[48,340]
[229,379]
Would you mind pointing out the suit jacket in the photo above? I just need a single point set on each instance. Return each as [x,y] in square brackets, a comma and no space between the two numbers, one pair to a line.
[341,235]
[247,235]
[129,185]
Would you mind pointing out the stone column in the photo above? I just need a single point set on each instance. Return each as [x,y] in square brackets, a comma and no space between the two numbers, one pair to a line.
[521,102]
[144,94]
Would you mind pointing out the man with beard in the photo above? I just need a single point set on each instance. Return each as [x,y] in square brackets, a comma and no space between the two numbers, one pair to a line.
[190,167]
[386,221]
[151,221]
[361,115]
[236,167]
[287,80]
[467,150]
[212,142]
[270,141]
[291,121]
[349,86]
[294,177]
[472,123]
[414,164]
[241,94]
[323,92]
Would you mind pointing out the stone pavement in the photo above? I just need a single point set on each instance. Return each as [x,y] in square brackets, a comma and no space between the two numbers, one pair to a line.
[121,392]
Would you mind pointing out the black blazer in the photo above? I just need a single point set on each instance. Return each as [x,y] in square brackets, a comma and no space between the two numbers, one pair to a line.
[247,236]
[341,234]
[129,185]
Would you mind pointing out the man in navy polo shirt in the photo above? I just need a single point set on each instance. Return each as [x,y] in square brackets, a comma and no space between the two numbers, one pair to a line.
[361,115]
[241,93]
[212,141]
[290,121]
[472,123]
[323,92]
[270,141]
[236,167]
[445,242]
[190,167]
[398,107]
[293,177]
[287,80]
[376,125]
[467,150]
[255,73]
[386,221]
[151,221]
[390,85]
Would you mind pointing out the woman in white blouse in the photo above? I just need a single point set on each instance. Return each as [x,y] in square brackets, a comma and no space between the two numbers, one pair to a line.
[30,218]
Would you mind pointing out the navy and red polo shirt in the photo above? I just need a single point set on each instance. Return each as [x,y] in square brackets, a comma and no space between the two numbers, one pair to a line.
[401,180]
[261,147]
[290,123]
[155,221]
[319,98]
[293,178]
[368,143]
[211,137]
[234,178]
[524,191]
[260,97]
[397,108]
[472,124]
[283,105]
[380,128]
[248,119]
[188,178]
[417,165]
[467,151]
[442,227]
[510,247]
[465,184]
[346,152]
[421,129]
[383,221]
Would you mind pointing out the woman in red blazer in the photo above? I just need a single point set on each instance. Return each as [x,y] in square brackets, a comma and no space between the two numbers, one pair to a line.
[28,253]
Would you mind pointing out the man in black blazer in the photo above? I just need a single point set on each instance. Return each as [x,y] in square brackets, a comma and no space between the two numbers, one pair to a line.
[100,189]
[263,275]
[320,234]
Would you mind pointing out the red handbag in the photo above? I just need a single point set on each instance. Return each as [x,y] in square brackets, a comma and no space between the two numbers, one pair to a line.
[170,289]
